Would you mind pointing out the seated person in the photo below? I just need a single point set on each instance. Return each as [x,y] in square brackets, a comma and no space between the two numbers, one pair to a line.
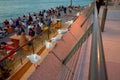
[6,23]
[38,29]
[8,48]
[20,30]
[3,32]
[31,32]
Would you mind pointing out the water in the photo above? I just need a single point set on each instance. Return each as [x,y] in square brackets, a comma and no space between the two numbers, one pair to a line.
[14,8]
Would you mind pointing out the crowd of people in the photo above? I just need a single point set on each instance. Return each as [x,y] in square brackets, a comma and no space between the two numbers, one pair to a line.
[35,21]
[33,24]
[30,25]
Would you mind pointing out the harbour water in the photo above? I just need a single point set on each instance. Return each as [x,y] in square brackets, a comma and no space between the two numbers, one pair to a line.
[15,8]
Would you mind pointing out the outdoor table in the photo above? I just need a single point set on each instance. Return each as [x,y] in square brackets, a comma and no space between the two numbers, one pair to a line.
[15,39]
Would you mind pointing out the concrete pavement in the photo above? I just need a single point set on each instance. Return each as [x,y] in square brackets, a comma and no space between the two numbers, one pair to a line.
[111,42]
[50,67]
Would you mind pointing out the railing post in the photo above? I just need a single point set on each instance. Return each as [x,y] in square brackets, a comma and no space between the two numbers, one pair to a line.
[78,45]
[33,48]
[48,32]
[97,68]
[104,16]
[21,61]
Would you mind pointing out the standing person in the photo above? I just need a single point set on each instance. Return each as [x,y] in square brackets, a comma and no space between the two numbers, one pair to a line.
[98,4]
[24,21]
[65,10]
[116,2]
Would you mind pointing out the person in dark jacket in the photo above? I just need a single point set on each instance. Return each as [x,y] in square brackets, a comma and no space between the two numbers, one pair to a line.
[20,30]
[31,32]
[98,4]
[38,29]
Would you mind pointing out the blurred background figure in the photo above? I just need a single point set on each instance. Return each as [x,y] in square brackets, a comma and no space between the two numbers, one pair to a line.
[98,4]
[116,3]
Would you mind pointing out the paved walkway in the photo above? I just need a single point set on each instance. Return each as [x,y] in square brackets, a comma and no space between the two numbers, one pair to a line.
[111,42]
[50,67]
[64,19]
[62,43]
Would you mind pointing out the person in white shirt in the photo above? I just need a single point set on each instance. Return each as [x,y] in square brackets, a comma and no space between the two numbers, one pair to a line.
[41,25]
[11,22]
[45,14]
[98,4]
[29,26]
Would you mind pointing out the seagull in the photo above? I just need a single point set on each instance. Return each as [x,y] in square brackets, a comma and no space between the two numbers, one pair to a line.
[57,38]
[62,31]
[69,22]
[48,45]
[78,14]
[34,58]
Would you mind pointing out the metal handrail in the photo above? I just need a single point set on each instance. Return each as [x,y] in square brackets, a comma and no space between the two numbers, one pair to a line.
[97,70]
[88,15]
[78,45]
[69,66]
